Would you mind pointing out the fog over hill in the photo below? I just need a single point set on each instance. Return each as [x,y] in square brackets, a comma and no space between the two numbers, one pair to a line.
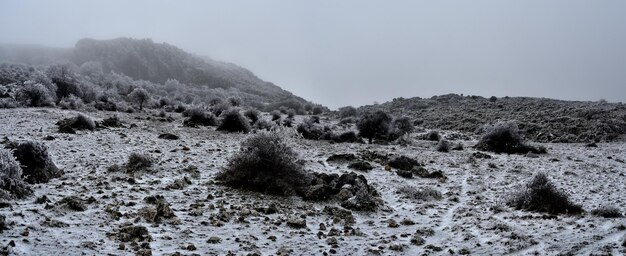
[143,59]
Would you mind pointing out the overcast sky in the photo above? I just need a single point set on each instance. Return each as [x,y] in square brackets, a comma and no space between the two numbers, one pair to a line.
[356,52]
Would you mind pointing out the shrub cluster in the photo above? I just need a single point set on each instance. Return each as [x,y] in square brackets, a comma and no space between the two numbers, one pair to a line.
[37,165]
[233,121]
[12,184]
[197,116]
[79,122]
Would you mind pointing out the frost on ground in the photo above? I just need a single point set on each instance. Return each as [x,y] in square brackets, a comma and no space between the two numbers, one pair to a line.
[175,204]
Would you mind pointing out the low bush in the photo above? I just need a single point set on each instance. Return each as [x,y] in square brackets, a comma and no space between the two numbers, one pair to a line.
[607,212]
[403,163]
[233,121]
[79,122]
[423,194]
[35,95]
[541,195]
[267,164]
[138,162]
[443,146]
[263,124]
[12,184]
[71,102]
[276,115]
[199,117]
[37,165]
[433,135]
[504,137]
[347,111]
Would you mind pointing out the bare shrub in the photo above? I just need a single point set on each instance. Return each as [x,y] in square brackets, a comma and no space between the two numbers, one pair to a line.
[35,95]
[540,195]
[71,102]
[139,96]
[233,121]
[263,124]
[276,115]
[443,146]
[433,135]
[267,164]
[11,183]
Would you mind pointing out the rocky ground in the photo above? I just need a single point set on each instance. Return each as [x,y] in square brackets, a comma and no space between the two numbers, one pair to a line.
[178,208]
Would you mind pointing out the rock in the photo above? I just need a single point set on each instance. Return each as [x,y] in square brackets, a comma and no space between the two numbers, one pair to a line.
[396,247]
[340,214]
[332,241]
[481,155]
[318,192]
[344,194]
[214,240]
[361,166]
[283,251]
[168,136]
[392,224]
[341,157]
[3,223]
[322,226]
[190,247]
[464,251]
[407,222]
[49,137]
[423,173]
[296,222]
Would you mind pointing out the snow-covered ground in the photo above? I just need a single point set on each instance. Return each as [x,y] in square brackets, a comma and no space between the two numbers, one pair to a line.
[470,218]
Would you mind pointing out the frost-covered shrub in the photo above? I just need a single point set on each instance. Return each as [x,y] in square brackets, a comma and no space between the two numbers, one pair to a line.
[220,108]
[263,124]
[374,125]
[402,126]
[276,115]
[310,131]
[139,96]
[233,121]
[71,102]
[138,162]
[35,95]
[253,115]
[197,116]
[347,111]
[11,183]
[291,113]
[79,122]
[37,166]
[8,103]
[541,195]
[235,102]
[504,137]
[267,164]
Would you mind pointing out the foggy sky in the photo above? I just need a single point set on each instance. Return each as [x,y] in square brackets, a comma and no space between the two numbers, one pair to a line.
[341,53]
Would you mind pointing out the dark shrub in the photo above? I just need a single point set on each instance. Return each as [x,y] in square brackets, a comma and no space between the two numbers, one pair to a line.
[403,163]
[180,108]
[346,137]
[113,121]
[317,110]
[347,120]
[220,108]
[8,103]
[235,102]
[423,194]
[138,162]
[37,166]
[347,111]
[79,122]
[313,119]
[493,99]
[276,115]
[197,116]
[267,164]
[11,182]
[443,146]
[607,212]
[253,115]
[374,125]
[288,122]
[540,195]
[233,121]
[310,131]
[433,135]
[504,137]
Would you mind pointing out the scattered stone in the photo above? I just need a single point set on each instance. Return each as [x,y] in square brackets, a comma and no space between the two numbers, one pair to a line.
[284,251]
[396,247]
[392,223]
[481,155]
[134,234]
[296,222]
[341,157]
[49,137]
[72,203]
[417,240]
[361,166]
[168,136]
[405,174]
[214,240]
[403,163]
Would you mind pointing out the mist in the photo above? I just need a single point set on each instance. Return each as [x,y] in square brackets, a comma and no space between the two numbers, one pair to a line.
[359,52]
